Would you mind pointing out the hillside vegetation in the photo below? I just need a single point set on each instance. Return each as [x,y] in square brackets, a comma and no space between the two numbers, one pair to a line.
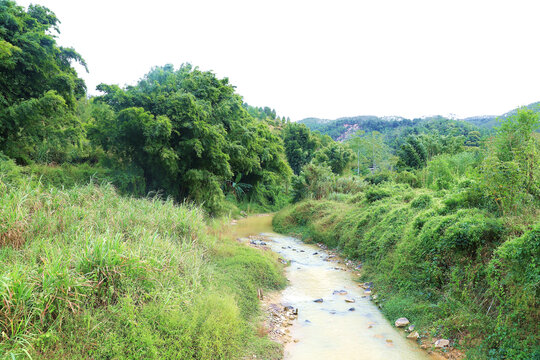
[452,242]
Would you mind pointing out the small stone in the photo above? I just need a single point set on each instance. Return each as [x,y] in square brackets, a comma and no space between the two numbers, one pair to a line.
[296,340]
[349,300]
[402,322]
[424,346]
[339,292]
[315,253]
[442,343]
[413,335]
[318,300]
[367,292]
[389,341]
[370,326]
[352,309]
[411,328]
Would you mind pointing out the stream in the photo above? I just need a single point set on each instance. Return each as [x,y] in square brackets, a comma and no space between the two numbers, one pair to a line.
[334,328]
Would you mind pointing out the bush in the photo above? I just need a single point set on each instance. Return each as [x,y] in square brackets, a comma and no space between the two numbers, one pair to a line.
[378,178]
[374,194]
[422,202]
[10,173]
[406,177]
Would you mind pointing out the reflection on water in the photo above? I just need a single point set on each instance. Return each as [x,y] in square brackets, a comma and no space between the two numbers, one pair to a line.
[253,225]
[333,329]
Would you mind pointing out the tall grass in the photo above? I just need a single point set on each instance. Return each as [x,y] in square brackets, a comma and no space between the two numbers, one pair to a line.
[86,273]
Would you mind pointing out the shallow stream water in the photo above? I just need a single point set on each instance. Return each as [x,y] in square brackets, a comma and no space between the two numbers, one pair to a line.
[333,329]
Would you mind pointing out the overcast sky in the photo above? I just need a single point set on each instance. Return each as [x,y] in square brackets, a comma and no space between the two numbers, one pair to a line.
[322,58]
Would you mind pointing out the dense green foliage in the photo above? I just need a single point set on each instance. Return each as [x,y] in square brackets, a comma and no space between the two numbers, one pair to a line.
[450,239]
[189,133]
[303,146]
[38,85]
[300,145]
[182,133]
[266,114]
[87,273]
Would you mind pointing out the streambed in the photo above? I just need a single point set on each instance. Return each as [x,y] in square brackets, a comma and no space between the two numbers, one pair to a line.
[333,328]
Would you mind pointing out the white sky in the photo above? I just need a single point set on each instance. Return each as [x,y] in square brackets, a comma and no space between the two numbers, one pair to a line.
[322,58]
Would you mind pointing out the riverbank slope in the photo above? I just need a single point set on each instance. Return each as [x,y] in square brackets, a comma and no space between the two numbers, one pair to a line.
[87,273]
[460,274]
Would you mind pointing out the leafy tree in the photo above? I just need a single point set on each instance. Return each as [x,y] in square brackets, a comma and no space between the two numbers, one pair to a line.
[191,135]
[511,170]
[314,181]
[412,154]
[300,145]
[371,151]
[473,138]
[38,85]
[335,155]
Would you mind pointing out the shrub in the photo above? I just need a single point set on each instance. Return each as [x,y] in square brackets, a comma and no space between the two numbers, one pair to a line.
[374,194]
[422,202]
[378,178]
[407,177]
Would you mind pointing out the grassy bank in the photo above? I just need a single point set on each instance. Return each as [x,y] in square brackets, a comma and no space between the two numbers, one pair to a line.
[87,273]
[455,271]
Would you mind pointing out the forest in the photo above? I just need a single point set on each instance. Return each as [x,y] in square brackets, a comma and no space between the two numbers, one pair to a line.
[111,205]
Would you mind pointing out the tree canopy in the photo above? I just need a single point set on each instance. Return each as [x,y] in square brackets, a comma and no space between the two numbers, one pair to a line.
[190,134]
[38,85]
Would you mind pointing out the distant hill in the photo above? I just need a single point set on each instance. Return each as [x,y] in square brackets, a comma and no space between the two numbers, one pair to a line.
[343,128]
[485,121]
[492,121]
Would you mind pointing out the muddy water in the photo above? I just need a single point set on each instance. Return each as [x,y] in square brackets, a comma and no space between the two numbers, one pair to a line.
[333,329]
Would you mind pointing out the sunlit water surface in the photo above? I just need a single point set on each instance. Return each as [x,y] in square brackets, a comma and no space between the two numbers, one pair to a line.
[329,330]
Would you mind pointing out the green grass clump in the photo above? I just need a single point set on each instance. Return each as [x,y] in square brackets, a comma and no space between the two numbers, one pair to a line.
[454,269]
[87,273]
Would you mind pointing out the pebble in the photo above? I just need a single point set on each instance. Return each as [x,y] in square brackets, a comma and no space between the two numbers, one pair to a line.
[442,343]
